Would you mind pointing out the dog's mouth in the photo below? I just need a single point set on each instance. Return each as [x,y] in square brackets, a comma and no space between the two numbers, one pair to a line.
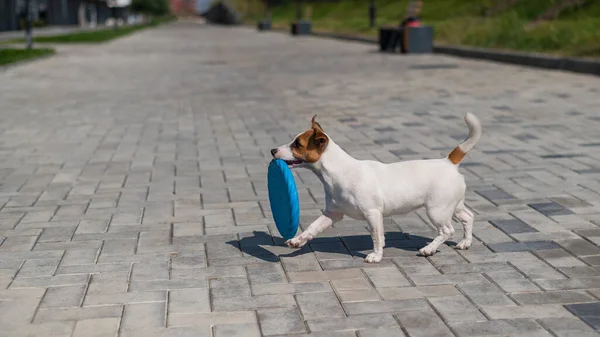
[294,162]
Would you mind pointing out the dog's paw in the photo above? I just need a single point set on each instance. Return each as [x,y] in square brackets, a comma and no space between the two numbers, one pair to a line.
[464,244]
[427,251]
[374,257]
[296,242]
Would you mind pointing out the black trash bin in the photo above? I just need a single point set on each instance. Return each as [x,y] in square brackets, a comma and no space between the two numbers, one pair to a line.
[301,27]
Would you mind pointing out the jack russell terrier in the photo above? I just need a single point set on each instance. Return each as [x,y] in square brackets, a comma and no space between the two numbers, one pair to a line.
[370,190]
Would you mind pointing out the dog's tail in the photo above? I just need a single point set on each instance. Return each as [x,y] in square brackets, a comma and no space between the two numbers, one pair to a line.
[474,134]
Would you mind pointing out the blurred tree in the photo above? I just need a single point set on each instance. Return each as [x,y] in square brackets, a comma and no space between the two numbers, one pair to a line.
[151,7]
[555,10]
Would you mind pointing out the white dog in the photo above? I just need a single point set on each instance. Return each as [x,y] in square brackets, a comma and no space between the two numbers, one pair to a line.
[370,190]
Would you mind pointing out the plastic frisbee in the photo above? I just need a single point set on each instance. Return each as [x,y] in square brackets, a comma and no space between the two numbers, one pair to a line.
[283,197]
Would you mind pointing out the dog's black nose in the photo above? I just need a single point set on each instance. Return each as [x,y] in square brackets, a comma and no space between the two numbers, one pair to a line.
[273,151]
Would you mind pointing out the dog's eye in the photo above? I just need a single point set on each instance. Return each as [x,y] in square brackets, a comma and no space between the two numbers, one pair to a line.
[297,143]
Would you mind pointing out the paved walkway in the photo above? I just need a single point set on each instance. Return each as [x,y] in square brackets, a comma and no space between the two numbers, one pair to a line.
[133,195]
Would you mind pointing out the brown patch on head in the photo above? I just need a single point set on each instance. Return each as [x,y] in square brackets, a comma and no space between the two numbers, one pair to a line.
[456,155]
[311,144]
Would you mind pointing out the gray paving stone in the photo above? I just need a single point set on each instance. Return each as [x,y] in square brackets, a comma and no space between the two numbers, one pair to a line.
[155,285]
[384,332]
[125,298]
[297,288]
[559,258]
[549,236]
[79,256]
[512,281]
[428,280]
[399,293]
[96,326]
[486,294]
[239,285]
[523,246]
[552,297]
[358,295]
[330,251]
[491,234]
[513,226]
[356,262]
[237,330]
[94,268]
[188,260]
[235,302]
[19,310]
[593,260]
[568,327]
[319,305]
[495,194]
[360,282]
[57,234]
[550,209]
[456,309]
[179,331]
[587,312]
[189,300]
[45,329]
[212,318]
[67,296]
[280,321]
[423,269]
[580,247]
[266,274]
[312,276]
[386,277]
[528,311]
[143,315]
[353,323]
[516,327]
[475,268]
[388,306]
[77,313]
[537,269]
[575,283]
[423,324]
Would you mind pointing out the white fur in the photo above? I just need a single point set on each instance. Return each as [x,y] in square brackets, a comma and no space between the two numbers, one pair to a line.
[370,190]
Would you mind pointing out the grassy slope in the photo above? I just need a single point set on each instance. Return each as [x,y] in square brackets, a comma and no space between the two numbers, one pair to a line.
[10,55]
[96,36]
[458,22]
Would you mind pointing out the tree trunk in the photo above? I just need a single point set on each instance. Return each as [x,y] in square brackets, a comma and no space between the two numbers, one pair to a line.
[554,11]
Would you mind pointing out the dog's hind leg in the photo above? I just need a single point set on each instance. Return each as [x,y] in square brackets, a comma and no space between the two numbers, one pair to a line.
[322,223]
[441,217]
[465,217]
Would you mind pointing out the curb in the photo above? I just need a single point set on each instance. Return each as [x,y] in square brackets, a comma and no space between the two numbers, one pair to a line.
[534,60]
[346,37]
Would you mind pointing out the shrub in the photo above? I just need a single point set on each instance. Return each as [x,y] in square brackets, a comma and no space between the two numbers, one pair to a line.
[151,7]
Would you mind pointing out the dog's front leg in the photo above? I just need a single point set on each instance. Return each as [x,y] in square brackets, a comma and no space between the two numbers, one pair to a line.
[375,220]
[322,223]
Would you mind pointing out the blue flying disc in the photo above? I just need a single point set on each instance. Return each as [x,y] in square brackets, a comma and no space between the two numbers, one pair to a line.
[283,197]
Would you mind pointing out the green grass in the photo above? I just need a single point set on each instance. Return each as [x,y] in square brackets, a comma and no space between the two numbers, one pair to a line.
[575,32]
[10,55]
[96,36]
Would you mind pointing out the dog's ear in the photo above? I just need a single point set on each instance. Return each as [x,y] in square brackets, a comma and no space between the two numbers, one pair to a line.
[316,125]
[316,142]
[320,137]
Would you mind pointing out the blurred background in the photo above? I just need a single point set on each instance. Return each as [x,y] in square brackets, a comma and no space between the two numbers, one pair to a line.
[560,27]
[565,27]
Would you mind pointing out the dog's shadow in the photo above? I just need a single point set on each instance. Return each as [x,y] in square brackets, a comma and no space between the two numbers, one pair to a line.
[268,248]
